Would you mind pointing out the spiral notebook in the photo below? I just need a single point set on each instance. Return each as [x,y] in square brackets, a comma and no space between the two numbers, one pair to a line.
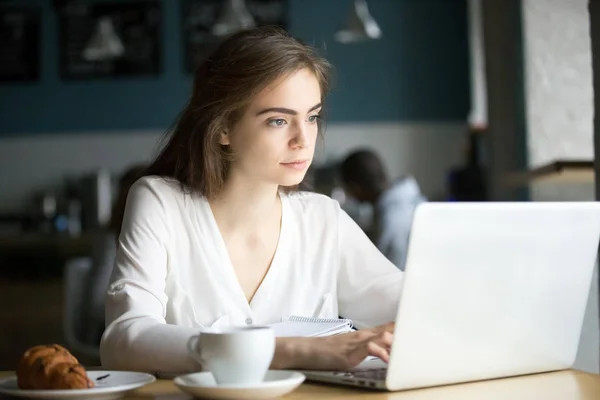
[311,327]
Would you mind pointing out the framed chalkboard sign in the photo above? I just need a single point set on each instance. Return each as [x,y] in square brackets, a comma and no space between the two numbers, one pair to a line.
[20,38]
[101,39]
[200,16]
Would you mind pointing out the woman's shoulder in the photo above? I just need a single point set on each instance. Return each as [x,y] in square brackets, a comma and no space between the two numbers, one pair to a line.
[158,202]
[157,192]
[156,183]
[158,186]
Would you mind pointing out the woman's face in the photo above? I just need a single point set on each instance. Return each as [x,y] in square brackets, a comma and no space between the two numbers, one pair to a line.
[274,141]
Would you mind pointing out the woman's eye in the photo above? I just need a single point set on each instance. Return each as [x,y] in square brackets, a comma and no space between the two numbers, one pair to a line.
[276,122]
[313,118]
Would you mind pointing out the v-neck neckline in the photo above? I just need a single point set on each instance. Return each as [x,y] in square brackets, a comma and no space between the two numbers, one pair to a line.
[229,269]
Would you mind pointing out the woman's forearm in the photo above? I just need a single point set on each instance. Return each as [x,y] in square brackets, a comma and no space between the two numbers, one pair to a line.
[337,352]
[291,353]
[146,345]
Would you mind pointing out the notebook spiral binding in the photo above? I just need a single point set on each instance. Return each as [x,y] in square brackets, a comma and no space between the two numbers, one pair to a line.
[347,322]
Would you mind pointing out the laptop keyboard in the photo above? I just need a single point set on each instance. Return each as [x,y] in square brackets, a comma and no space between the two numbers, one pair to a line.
[377,374]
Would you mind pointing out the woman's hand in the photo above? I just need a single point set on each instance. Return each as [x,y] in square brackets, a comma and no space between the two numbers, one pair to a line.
[336,352]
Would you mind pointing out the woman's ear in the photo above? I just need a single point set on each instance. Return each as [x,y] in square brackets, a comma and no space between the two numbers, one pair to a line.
[224,139]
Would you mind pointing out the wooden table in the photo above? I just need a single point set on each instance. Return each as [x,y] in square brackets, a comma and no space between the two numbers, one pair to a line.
[561,171]
[567,385]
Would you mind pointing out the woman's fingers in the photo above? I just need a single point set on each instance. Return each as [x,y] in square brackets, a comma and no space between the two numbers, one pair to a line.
[349,350]
[378,351]
[385,340]
[380,345]
[389,327]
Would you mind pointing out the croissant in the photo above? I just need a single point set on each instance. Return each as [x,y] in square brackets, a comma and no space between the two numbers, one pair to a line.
[69,376]
[51,367]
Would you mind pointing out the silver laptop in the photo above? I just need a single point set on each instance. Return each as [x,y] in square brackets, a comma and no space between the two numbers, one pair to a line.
[491,290]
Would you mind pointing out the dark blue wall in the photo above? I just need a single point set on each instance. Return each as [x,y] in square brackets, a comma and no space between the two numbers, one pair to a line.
[417,72]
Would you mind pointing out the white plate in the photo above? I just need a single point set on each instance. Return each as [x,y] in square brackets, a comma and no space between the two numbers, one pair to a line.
[275,384]
[115,385]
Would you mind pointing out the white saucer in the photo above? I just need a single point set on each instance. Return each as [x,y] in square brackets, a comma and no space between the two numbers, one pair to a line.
[275,384]
[109,385]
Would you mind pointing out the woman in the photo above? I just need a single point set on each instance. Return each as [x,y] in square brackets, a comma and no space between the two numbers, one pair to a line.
[215,235]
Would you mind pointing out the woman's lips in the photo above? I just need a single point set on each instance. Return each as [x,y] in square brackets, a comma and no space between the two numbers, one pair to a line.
[301,164]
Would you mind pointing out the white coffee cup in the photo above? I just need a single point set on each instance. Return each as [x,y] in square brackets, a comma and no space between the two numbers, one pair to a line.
[235,356]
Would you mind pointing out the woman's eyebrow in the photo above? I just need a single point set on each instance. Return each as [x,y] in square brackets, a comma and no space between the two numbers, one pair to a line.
[284,110]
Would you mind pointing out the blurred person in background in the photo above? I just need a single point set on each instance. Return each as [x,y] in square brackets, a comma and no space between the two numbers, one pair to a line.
[364,178]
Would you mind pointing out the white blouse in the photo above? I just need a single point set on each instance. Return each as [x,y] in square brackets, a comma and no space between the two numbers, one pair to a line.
[173,278]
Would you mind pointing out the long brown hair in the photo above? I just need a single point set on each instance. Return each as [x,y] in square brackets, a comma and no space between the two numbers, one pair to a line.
[224,84]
